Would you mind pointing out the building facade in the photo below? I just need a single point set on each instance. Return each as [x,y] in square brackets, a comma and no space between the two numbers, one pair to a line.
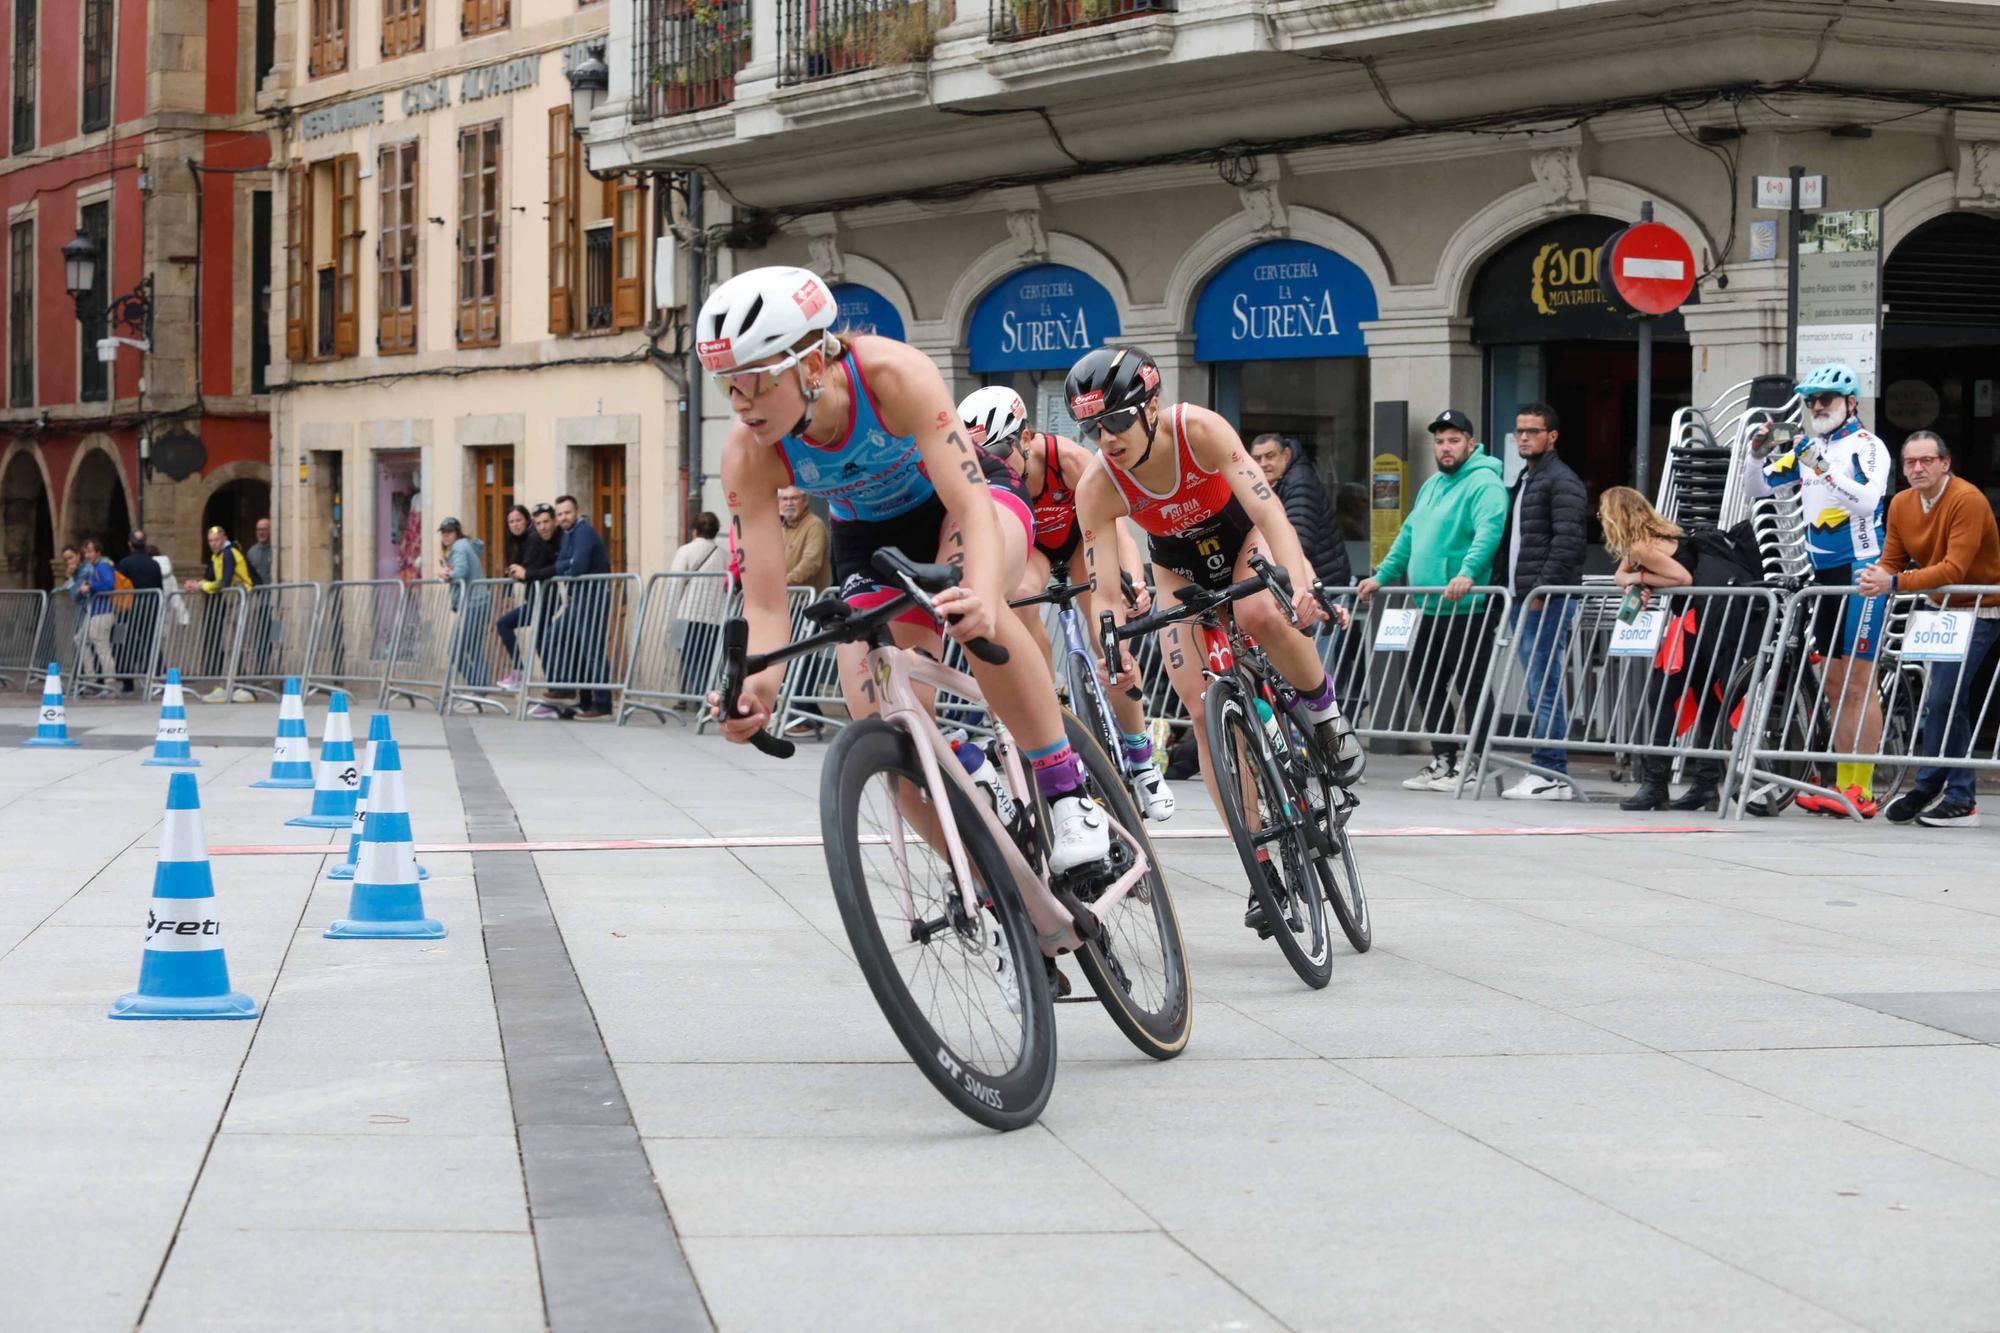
[465,313]
[1334,218]
[133,123]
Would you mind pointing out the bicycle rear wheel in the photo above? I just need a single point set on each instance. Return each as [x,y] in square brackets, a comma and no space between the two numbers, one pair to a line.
[1137,965]
[967,996]
[1293,900]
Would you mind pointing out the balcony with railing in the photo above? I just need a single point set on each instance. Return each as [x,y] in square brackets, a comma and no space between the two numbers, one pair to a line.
[688,54]
[823,39]
[1018,20]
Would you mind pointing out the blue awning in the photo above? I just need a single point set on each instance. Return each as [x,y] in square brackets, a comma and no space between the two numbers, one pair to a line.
[1283,301]
[1041,318]
[867,310]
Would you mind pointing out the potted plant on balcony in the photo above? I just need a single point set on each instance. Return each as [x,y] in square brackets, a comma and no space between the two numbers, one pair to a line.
[908,33]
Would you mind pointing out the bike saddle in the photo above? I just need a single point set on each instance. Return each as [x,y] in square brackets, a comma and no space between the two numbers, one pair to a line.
[931,578]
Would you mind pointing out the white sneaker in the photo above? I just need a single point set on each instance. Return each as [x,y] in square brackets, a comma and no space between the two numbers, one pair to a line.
[510,681]
[1535,787]
[243,696]
[1004,970]
[543,713]
[218,695]
[1447,780]
[1156,799]
[1422,779]
[1082,834]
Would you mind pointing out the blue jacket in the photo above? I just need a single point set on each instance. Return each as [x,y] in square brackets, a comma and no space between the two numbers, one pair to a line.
[102,580]
[582,552]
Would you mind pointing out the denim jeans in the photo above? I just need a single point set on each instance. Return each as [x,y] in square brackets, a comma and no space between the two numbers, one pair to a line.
[1948,721]
[1539,647]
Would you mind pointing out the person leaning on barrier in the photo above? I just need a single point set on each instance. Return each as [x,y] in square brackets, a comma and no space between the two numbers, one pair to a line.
[99,581]
[259,554]
[472,605]
[226,569]
[577,635]
[1548,529]
[530,552]
[1654,553]
[700,603]
[1941,533]
[1448,539]
[808,564]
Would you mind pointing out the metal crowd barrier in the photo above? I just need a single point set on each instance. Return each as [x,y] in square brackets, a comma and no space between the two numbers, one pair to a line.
[22,612]
[79,648]
[420,654]
[676,643]
[204,646]
[276,639]
[354,638]
[1667,687]
[585,640]
[483,674]
[1932,665]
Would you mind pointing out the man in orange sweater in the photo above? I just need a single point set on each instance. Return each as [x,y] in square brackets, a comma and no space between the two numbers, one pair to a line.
[1941,533]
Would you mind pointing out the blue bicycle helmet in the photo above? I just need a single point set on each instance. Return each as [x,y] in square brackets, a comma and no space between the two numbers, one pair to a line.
[1830,378]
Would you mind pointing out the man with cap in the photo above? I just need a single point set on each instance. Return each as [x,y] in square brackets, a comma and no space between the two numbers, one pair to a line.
[226,569]
[465,560]
[1449,540]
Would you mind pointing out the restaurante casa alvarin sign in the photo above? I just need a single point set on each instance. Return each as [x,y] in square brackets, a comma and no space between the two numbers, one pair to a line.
[474,85]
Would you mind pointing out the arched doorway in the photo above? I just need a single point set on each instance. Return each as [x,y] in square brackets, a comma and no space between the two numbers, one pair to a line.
[235,507]
[27,530]
[1548,334]
[97,503]
[1941,342]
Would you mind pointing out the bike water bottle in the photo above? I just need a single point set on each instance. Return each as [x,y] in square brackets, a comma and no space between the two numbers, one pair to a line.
[1272,730]
[985,775]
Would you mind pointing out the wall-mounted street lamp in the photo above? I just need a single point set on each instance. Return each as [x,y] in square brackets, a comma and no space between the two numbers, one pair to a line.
[589,84]
[132,312]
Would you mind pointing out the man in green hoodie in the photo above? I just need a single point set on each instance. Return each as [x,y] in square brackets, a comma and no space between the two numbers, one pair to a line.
[1448,541]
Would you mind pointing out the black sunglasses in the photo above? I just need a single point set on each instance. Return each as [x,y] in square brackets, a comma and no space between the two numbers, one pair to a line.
[1825,399]
[1111,423]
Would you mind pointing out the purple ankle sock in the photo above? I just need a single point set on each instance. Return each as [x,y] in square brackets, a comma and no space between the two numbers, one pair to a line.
[1058,772]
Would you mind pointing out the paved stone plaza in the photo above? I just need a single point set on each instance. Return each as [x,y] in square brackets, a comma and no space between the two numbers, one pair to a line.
[1740,1078]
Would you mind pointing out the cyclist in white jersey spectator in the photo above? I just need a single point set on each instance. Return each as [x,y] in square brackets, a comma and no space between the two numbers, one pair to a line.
[867,423]
[1842,473]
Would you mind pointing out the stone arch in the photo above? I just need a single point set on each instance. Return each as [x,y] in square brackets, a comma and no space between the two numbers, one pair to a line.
[863,270]
[1006,257]
[1226,239]
[1521,210]
[1930,198]
[27,518]
[71,527]
[246,469]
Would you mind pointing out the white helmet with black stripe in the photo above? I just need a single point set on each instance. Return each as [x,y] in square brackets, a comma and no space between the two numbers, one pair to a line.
[994,417]
[759,314]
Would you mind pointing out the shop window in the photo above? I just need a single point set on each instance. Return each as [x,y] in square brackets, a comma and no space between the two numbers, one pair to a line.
[21,314]
[477,16]
[322,260]
[1323,404]
[479,235]
[24,75]
[327,45]
[596,247]
[97,27]
[402,27]
[94,377]
[397,223]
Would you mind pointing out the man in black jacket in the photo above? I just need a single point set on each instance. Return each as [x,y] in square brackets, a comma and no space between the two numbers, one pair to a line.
[1306,506]
[1548,529]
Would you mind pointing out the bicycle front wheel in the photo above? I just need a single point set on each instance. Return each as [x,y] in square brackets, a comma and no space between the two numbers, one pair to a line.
[966,994]
[1332,857]
[1267,821]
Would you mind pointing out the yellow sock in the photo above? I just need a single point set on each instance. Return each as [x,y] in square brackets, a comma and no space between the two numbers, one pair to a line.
[1843,776]
[1864,778]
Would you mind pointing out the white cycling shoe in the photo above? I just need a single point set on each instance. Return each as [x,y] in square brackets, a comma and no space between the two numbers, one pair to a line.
[1081,833]
[1156,799]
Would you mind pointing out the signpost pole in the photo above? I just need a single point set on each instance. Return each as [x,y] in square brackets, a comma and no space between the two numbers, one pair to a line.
[1644,462]
[1796,215]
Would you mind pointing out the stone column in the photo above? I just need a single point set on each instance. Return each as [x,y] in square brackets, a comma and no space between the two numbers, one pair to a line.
[1428,360]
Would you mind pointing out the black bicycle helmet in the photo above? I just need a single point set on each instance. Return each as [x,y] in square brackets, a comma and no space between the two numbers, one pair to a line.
[1110,379]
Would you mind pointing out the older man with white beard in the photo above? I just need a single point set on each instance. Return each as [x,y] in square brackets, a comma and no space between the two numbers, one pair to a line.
[1842,474]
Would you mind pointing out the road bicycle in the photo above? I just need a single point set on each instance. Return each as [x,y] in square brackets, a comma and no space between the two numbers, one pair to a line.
[1285,806]
[951,917]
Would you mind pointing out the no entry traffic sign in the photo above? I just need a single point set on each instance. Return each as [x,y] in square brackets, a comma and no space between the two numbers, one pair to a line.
[1647,269]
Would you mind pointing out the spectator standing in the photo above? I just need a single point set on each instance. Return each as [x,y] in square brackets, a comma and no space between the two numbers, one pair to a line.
[531,561]
[808,564]
[259,554]
[578,634]
[471,605]
[1941,532]
[176,602]
[1306,505]
[1548,529]
[143,574]
[698,611]
[92,586]
[226,569]
[260,636]
[1449,540]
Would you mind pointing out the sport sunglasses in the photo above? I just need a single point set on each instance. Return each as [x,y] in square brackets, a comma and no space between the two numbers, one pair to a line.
[757,382]
[1111,423]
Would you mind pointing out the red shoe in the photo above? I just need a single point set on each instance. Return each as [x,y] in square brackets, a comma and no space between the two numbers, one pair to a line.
[1815,804]
[1865,804]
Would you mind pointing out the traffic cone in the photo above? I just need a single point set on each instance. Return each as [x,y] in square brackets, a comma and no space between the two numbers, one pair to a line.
[339,777]
[378,731]
[52,730]
[386,902]
[183,973]
[170,741]
[291,760]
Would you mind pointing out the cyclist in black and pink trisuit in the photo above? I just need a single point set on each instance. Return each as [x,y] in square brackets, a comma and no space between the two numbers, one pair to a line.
[1049,466]
[867,423]
[1184,477]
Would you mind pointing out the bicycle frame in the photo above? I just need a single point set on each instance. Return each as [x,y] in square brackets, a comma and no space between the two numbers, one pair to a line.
[1083,667]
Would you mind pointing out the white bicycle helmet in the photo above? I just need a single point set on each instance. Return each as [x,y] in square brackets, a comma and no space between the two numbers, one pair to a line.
[994,417]
[761,313]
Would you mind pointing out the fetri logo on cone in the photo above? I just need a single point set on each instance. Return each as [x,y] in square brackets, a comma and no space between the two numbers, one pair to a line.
[291,759]
[338,781]
[170,741]
[386,902]
[183,973]
[52,724]
[378,731]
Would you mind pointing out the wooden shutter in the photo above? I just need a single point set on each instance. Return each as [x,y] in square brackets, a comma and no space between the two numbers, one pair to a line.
[562,220]
[347,254]
[628,253]
[492,207]
[396,250]
[476,16]
[402,26]
[298,209]
[479,209]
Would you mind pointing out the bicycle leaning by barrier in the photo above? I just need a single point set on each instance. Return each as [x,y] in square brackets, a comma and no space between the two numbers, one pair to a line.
[950,917]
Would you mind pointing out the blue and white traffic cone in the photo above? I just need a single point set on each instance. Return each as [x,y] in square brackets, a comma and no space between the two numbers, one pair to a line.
[52,727]
[183,973]
[170,741]
[338,781]
[291,760]
[378,731]
[386,902]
